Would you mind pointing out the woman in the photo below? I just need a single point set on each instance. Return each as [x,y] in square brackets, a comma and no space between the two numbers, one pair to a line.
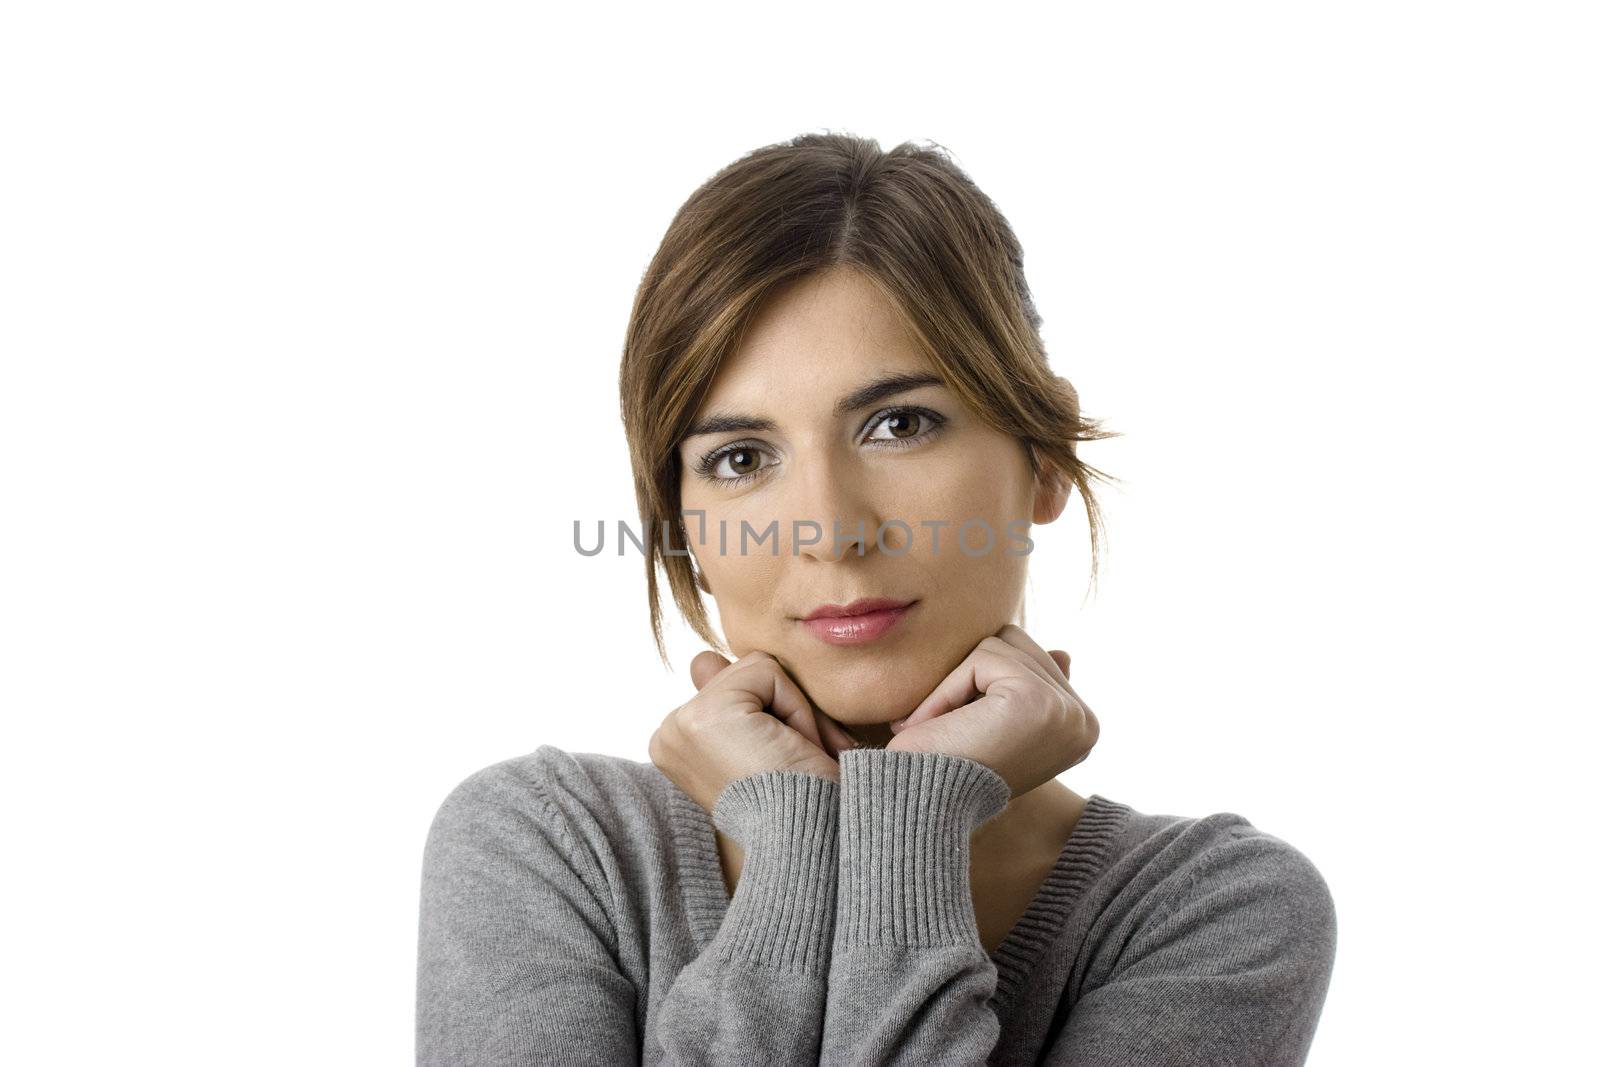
[851,845]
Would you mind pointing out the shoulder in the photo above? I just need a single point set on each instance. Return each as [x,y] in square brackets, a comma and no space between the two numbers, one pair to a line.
[1202,938]
[587,804]
[553,775]
[1182,853]
[1237,893]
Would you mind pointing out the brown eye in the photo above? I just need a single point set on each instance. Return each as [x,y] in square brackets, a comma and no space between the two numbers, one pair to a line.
[906,424]
[903,427]
[733,465]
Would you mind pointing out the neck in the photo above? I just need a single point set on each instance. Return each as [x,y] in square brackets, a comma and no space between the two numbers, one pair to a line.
[868,734]
[1034,827]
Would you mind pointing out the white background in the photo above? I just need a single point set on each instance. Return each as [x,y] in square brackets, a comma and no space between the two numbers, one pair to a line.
[310,328]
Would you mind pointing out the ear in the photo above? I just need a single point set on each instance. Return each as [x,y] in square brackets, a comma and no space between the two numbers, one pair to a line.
[1050,493]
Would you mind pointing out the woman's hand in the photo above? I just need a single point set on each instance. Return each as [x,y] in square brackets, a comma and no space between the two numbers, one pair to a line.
[1026,724]
[748,717]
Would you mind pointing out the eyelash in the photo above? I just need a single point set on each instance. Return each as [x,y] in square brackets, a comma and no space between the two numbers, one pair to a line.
[708,464]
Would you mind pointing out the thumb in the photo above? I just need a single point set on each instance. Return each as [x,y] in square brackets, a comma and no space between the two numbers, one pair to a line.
[1063,661]
[704,667]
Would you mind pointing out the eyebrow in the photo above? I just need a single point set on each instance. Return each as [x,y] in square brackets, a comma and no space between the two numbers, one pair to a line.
[877,390]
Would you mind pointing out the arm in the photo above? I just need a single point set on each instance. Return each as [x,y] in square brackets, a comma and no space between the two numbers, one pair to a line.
[517,960]
[909,980]
[756,994]
[1233,971]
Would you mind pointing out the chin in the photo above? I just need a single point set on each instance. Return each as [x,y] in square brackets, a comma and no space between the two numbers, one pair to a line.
[863,717]
[848,708]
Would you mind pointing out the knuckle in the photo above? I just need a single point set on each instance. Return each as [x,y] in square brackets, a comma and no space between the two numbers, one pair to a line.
[1086,737]
[757,663]
[682,727]
[1048,699]
[1064,706]
[1072,722]
[692,718]
[1043,706]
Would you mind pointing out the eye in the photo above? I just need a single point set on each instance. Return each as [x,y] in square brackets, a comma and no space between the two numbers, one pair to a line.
[739,462]
[906,426]
[732,464]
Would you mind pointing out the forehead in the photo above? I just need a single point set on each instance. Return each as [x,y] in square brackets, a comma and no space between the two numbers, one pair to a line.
[814,334]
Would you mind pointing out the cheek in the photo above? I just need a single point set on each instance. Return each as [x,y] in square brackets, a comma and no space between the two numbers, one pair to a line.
[986,478]
[981,586]
[984,510]
[744,588]
[983,589]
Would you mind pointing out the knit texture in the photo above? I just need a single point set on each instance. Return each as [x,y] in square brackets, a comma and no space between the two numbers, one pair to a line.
[787,824]
[574,911]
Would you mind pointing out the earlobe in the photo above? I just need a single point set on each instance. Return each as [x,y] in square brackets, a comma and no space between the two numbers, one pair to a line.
[1050,495]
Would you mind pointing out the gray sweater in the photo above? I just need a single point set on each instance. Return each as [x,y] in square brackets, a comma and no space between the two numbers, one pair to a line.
[574,912]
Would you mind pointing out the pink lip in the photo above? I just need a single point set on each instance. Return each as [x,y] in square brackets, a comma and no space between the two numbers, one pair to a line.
[858,622]
[858,607]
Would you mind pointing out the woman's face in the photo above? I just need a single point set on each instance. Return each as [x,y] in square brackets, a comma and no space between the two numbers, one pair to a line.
[802,450]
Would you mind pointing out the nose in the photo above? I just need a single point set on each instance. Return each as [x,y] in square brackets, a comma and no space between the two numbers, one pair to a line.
[839,502]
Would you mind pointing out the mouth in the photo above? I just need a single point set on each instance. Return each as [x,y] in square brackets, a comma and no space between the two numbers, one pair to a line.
[858,622]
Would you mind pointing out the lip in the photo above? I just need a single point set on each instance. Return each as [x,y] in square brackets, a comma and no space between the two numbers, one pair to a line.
[858,607]
[859,621]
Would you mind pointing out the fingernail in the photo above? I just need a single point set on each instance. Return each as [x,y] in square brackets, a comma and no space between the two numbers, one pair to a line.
[897,724]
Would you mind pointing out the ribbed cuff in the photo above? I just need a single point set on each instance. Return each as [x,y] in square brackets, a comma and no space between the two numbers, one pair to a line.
[781,913]
[905,826]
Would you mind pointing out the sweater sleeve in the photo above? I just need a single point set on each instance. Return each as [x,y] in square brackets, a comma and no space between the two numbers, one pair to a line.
[1233,969]
[756,994]
[518,954]
[909,980]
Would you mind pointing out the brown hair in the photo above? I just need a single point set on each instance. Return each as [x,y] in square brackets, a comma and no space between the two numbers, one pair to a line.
[913,223]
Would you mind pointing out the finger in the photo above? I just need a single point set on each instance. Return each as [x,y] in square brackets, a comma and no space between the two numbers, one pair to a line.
[1017,637]
[837,738]
[704,667]
[1059,662]
[765,681]
[1007,643]
[982,667]
[1063,661]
